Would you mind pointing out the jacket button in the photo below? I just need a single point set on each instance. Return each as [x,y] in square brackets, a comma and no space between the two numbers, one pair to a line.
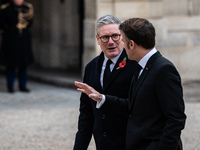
[103,116]
[104,134]
[130,116]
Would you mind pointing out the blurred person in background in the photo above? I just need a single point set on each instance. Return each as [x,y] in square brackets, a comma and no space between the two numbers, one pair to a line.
[16,18]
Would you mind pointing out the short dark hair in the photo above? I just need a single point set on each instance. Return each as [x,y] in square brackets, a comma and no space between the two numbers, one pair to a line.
[141,31]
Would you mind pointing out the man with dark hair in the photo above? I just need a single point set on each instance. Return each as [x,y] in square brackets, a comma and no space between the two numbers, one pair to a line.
[110,73]
[155,104]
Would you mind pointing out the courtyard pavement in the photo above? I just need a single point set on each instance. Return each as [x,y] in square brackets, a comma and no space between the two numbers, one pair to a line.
[46,118]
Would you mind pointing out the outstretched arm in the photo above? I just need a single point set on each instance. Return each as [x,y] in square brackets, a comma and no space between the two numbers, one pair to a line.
[112,103]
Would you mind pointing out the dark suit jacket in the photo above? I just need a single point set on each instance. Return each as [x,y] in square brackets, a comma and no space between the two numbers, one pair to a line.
[108,128]
[155,107]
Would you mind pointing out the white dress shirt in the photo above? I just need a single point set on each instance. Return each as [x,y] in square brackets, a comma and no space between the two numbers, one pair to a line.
[145,59]
[112,65]
[142,63]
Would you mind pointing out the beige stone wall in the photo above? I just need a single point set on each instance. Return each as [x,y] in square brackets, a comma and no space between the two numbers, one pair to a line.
[56,34]
[177,24]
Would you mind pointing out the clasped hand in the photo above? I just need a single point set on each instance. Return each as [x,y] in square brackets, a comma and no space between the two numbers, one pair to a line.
[90,91]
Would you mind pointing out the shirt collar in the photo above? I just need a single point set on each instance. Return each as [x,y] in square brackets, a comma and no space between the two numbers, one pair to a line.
[114,60]
[144,60]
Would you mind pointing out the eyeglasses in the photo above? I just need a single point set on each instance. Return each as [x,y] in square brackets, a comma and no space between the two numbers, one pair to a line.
[115,38]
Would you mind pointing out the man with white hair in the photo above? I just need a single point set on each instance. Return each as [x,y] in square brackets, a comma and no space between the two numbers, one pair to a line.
[108,73]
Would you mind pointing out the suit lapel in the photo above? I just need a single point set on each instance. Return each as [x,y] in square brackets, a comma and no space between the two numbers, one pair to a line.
[134,88]
[97,73]
[116,71]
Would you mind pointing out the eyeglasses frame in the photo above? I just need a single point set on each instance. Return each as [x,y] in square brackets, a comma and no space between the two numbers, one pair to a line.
[109,38]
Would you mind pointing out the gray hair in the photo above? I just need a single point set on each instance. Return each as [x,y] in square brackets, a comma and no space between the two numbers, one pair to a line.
[107,19]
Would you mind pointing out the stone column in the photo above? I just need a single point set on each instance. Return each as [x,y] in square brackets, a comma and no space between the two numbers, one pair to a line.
[89,31]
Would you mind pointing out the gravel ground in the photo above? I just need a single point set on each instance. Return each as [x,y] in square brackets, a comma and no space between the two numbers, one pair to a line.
[46,118]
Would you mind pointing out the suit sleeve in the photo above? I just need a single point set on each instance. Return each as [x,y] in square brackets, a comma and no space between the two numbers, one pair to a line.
[170,97]
[85,123]
[115,104]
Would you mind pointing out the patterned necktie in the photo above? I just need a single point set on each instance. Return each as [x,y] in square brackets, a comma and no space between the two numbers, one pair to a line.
[107,73]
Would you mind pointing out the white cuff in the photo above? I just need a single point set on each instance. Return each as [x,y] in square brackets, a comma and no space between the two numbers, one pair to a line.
[99,104]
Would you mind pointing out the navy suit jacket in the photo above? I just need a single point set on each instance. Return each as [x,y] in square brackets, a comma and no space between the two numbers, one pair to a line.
[155,107]
[108,128]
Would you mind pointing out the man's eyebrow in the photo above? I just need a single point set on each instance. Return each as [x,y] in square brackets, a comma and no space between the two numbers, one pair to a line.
[111,34]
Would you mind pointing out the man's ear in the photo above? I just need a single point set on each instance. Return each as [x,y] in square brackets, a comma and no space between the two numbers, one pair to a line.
[97,37]
[131,44]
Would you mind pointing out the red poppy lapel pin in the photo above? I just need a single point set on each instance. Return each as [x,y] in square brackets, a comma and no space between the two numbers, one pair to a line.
[122,64]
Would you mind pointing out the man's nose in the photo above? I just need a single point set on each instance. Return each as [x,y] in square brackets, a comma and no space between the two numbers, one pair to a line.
[110,40]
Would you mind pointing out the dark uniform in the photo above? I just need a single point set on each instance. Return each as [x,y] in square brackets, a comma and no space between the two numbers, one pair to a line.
[16,52]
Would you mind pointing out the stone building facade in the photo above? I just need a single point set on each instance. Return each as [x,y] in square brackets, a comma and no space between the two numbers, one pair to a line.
[57,34]
[64,31]
[177,24]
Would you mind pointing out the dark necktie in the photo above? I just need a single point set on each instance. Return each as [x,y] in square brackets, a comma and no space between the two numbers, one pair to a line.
[136,74]
[134,80]
[107,73]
